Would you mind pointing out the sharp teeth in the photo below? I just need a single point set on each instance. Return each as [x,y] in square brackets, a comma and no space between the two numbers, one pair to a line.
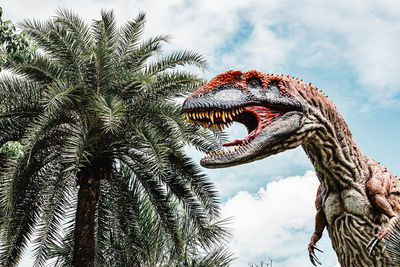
[186,116]
[203,124]
[206,114]
[219,127]
[213,126]
[212,116]
[229,115]
[223,116]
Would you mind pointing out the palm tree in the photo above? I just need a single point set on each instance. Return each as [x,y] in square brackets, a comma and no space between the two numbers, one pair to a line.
[133,235]
[95,98]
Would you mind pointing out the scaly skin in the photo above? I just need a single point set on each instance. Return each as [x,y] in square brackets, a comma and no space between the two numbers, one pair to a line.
[357,197]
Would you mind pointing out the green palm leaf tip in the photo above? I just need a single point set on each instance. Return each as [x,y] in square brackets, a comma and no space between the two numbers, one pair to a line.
[95,105]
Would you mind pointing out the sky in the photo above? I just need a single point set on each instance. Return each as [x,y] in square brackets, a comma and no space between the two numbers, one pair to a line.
[349,49]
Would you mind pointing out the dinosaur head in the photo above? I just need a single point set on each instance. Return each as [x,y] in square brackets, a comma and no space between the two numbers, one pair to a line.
[264,103]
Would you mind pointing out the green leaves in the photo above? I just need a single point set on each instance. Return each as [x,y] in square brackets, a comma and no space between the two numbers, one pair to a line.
[12,148]
[14,46]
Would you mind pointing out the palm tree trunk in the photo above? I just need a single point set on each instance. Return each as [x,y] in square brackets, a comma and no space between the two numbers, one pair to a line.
[84,236]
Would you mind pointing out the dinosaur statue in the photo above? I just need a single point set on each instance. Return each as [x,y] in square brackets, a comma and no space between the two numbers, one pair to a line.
[357,197]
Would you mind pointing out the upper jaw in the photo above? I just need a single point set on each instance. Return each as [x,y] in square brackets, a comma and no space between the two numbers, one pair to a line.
[237,99]
[228,98]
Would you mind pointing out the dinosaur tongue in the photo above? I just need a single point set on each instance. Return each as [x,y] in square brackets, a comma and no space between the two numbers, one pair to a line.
[264,116]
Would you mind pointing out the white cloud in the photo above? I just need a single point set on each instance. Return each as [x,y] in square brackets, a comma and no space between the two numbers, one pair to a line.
[276,223]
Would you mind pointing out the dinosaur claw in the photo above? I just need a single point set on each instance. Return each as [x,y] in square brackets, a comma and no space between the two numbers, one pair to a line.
[313,258]
[373,245]
[385,245]
[371,241]
[317,248]
[383,234]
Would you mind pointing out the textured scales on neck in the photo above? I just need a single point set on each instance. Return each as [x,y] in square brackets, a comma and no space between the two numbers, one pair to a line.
[357,196]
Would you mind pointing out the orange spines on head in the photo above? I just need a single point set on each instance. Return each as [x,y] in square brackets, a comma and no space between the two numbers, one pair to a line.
[227,77]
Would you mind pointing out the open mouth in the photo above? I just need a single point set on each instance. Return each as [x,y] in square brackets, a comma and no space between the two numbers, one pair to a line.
[255,118]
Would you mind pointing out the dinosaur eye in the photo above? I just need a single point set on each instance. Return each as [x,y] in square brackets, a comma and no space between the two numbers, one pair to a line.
[253,83]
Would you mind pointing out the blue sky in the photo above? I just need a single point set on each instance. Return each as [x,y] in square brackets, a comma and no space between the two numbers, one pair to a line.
[350,50]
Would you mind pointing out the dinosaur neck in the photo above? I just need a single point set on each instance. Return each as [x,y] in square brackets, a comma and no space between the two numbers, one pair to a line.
[337,159]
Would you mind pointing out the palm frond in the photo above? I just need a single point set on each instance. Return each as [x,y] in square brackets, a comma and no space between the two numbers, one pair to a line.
[179,58]
[166,86]
[76,150]
[130,35]
[56,201]
[60,95]
[219,257]
[137,59]
[112,113]
[40,68]
[78,27]
[158,196]
[105,35]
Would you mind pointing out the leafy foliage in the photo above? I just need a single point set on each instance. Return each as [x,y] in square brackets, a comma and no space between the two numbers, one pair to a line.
[95,100]
[14,45]
[12,149]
